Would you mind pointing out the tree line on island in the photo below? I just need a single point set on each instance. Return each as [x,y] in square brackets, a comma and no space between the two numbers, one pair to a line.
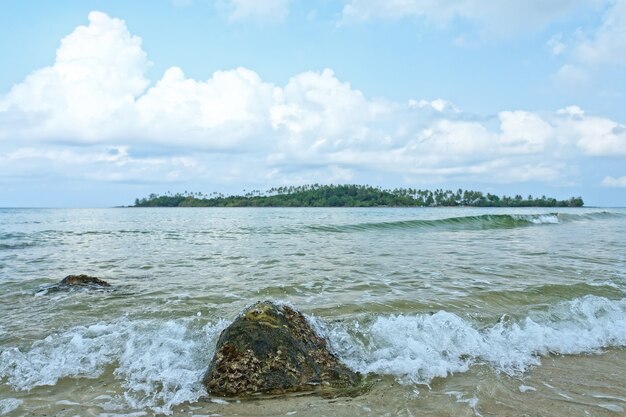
[317,195]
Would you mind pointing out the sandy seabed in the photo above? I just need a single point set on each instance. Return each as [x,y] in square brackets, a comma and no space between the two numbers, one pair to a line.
[576,385]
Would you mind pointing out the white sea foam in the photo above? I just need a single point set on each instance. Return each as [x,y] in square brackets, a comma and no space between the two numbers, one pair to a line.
[66,402]
[540,218]
[9,405]
[418,348]
[610,397]
[472,402]
[612,407]
[546,219]
[525,388]
[159,363]
[219,401]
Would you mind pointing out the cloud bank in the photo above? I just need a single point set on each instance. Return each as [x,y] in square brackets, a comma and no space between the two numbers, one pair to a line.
[94,109]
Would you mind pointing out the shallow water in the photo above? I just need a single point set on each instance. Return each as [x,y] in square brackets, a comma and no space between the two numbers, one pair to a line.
[450,311]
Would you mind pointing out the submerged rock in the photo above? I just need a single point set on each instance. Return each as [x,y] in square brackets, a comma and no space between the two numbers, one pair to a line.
[271,349]
[83,280]
[80,282]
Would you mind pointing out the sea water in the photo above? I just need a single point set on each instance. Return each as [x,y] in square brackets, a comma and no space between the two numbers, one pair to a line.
[448,311]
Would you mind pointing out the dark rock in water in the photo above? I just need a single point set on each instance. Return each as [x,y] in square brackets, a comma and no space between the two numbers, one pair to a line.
[83,281]
[271,349]
[76,283]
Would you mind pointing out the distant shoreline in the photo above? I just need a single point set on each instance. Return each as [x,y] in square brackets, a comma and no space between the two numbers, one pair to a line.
[352,196]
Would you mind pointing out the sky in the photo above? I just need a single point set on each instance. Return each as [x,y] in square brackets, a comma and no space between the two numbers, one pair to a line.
[102,102]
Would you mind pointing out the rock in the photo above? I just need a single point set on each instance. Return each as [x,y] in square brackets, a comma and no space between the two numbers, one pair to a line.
[76,283]
[83,281]
[271,349]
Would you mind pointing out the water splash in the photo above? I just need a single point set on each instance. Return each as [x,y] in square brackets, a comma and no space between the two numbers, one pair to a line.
[418,348]
[9,405]
[160,364]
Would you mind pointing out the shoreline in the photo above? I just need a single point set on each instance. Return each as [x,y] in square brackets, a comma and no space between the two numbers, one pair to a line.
[558,387]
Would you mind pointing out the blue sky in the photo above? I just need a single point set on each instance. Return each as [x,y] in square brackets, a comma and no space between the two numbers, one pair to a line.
[105,101]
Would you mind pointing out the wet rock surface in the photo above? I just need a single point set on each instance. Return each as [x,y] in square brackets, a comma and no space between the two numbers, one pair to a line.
[80,282]
[271,349]
[83,280]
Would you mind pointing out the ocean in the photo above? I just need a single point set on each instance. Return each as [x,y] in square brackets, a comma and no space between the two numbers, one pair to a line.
[449,311]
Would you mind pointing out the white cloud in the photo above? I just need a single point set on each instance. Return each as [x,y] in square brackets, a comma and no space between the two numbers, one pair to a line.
[316,111]
[586,53]
[446,139]
[222,112]
[572,77]
[98,72]
[261,11]
[574,111]
[502,16]
[614,182]
[524,132]
[438,104]
[239,128]
[607,44]
[597,136]
[101,163]
[555,45]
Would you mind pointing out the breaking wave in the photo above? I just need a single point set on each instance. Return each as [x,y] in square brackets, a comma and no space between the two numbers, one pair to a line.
[482,222]
[160,363]
[418,348]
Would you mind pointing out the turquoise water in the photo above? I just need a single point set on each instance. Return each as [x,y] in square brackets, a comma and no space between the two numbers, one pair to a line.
[418,298]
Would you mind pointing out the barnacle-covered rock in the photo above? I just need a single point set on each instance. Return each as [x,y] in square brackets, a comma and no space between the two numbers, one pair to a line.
[271,349]
[83,280]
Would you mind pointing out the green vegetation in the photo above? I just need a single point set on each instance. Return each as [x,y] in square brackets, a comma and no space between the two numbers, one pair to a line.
[351,196]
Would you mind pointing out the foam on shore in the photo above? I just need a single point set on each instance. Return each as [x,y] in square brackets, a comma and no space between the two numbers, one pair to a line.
[160,363]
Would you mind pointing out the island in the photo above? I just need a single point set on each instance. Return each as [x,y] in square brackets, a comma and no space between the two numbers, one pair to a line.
[350,195]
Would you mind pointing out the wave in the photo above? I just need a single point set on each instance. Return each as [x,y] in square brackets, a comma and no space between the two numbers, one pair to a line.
[160,363]
[487,221]
[481,222]
[418,348]
[9,241]
[12,241]
[545,294]
[595,215]
[8,246]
